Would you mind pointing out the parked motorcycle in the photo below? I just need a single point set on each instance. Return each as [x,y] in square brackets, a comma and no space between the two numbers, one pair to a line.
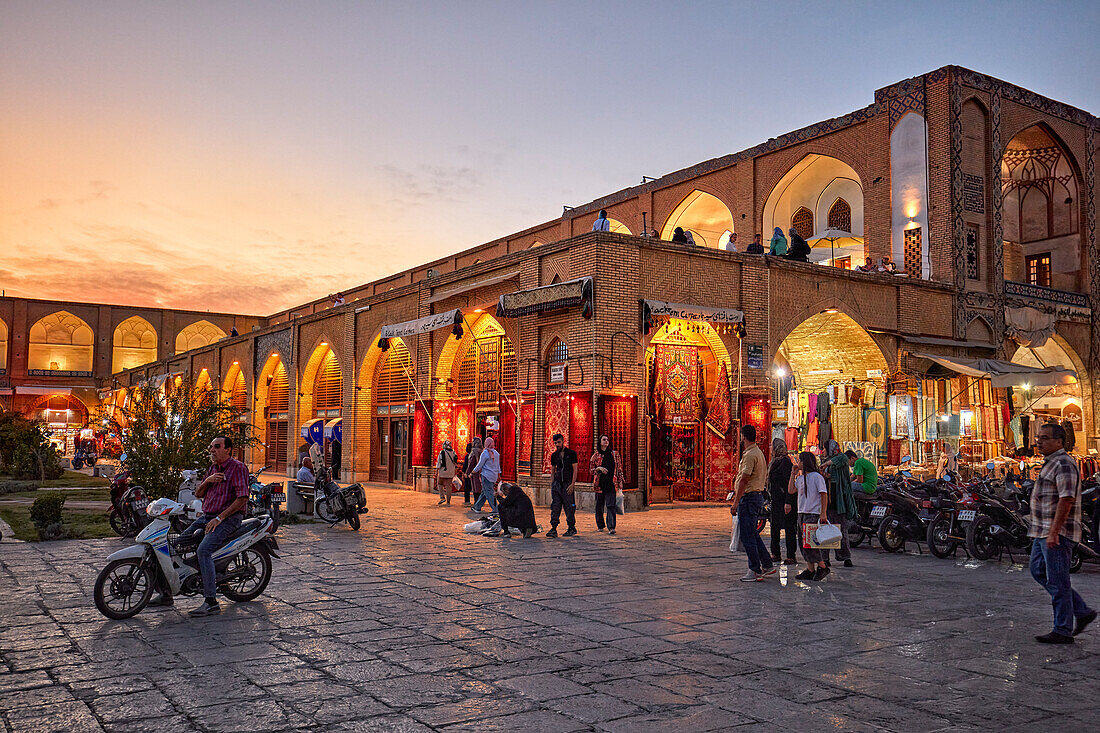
[1000,524]
[864,526]
[905,510]
[955,510]
[335,504]
[125,586]
[128,502]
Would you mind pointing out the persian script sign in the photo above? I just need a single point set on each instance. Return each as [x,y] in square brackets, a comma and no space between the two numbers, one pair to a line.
[422,325]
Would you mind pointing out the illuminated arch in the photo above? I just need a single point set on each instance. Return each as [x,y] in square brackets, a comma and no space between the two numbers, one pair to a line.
[134,343]
[1056,352]
[448,365]
[617,227]
[271,415]
[829,347]
[61,342]
[197,335]
[235,389]
[322,385]
[705,216]
[3,346]
[815,182]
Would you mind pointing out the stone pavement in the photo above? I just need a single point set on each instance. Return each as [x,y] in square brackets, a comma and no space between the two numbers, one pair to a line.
[411,625]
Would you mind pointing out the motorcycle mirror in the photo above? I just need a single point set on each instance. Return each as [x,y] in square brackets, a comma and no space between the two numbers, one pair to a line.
[122,458]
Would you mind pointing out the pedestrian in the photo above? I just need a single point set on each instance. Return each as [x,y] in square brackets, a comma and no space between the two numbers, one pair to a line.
[470,482]
[516,510]
[601,224]
[446,465]
[679,236]
[842,503]
[563,462]
[799,251]
[1055,528]
[778,246]
[608,472]
[756,248]
[808,485]
[488,471]
[784,503]
[748,501]
[864,475]
[689,237]
[731,245]
[948,463]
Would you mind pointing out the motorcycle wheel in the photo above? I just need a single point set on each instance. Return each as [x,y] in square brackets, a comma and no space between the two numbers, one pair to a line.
[77,465]
[353,518]
[940,543]
[325,510]
[890,535]
[256,568]
[123,588]
[1076,560]
[856,534]
[122,527]
[979,538]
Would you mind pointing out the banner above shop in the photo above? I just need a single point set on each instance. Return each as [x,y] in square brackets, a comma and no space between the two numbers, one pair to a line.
[422,325]
[1004,373]
[658,308]
[547,298]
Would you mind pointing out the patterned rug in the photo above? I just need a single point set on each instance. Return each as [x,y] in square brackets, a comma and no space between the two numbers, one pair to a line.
[557,421]
[720,466]
[526,435]
[580,432]
[465,430]
[444,428]
[718,417]
[677,382]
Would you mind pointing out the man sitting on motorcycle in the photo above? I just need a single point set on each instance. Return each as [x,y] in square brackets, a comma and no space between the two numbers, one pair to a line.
[224,494]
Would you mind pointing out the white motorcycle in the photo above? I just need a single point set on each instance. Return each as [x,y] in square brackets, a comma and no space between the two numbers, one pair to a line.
[161,560]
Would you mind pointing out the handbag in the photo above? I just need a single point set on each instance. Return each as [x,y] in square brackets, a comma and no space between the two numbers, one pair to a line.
[823,536]
[619,501]
[456,485]
[735,536]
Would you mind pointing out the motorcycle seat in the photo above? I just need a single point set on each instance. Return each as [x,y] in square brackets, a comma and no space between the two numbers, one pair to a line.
[247,526]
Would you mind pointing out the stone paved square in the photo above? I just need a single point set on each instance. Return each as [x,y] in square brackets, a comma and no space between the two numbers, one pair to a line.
[412,625]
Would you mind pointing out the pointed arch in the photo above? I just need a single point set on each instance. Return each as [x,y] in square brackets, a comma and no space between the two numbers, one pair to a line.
[617,227]
[814,183]
[134,343]
[705,215]
[197,335]
[62,342]
[830,346]
[3,347]
[840,215]
[802,221]
[271,415]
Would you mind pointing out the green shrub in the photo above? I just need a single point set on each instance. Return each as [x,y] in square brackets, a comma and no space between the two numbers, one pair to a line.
[33,463]
[46,515]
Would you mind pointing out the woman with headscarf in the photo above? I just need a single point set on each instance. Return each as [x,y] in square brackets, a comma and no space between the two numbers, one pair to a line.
[949,462]
[679,236]
[608,479]
[445,467]
[842,502]
[784,512]
[470,482]
[516,510]
[799,249]
[778,244]
[488,471]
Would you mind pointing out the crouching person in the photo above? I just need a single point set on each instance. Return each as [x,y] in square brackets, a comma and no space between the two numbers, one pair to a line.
[516,510]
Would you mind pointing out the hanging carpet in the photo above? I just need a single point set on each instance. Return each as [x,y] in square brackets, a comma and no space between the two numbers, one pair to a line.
[677,382]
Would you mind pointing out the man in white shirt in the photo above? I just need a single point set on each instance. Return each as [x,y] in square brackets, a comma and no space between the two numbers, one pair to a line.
[601,224]
[305,473]
[731,246]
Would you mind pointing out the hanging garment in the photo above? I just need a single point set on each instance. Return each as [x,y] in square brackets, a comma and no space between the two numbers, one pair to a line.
[792,407]
[824,433]
[823,411]
[811,435]
[831,391]
[812,414]
[790,437]
[855,394]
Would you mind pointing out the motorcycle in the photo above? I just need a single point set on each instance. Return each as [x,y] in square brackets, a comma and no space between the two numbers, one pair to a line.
[78,460]
[128,502]
[335,504]
[1000,524]
[864,526]
[905,511]
[955,510]
[126,585]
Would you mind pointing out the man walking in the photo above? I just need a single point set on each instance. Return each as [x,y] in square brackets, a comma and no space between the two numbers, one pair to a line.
[1055,525]
[564,463]
[748,502]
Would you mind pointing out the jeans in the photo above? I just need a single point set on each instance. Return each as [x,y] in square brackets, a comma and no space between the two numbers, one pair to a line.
[785,521]
[487,495]
[605,500]
[844,552]
[211,543]
[1050,568]
[748,510]
[562,499]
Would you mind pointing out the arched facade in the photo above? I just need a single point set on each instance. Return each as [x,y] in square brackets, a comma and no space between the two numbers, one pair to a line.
[814,183]
[390,406]
[322,389]
[61,342]
[271,418]
[3,347]
[198,335]
[134,343]
[705,216]
[909,196]
[617,227]
[1066,402]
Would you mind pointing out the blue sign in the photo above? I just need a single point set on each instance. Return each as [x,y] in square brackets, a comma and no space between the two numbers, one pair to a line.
[313,431]
[334,430]
[755,356]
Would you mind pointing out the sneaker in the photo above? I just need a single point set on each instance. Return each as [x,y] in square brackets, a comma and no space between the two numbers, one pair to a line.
[507,535]
[1054,638]
[553,532]
[206,609]
[790,561]
[820,574]
[599,529]
[751,577]
[570,532]
[165,601]
[847,563]
[1084,621]
[611,531]
[441,502]
[770,571]
[805,575]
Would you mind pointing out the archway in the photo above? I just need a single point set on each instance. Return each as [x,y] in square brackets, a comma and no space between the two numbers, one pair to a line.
[1041,220]
[617,227]
[805,197]
[235,393]
[1061,403]
[61,342]
[322,397]
[134,343]
[3,347]
[388,409]
[63,415]
[271,420]
[830,354]
[684,360]
[198,335]
[705,216]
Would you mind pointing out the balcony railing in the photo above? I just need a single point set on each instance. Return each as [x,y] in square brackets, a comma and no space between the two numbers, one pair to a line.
[1042,292]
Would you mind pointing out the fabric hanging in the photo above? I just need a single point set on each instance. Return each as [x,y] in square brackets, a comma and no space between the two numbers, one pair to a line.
[823,410]
[556,421]
[811,415]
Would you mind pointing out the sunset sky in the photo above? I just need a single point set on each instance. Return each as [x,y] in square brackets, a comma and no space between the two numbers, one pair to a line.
[247,156]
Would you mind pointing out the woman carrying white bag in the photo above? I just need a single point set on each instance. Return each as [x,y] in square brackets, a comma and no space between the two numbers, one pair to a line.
[608,481]
[813,503]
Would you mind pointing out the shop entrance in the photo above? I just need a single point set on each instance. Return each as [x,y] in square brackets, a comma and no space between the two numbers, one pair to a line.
[399,451]
[1060,403]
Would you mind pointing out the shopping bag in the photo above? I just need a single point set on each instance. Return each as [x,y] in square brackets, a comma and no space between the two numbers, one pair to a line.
[619,500]
[456,485]
[735,536]
[823,536]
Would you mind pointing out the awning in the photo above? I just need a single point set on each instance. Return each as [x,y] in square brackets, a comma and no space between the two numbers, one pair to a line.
[422,325]
[159,380]
[1004,373]
[933,341]
[459,290]
[547,298]
[313,431]
[334,431]
[22,389]
[687,312]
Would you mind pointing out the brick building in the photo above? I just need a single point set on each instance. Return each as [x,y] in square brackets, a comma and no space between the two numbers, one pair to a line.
[982,193]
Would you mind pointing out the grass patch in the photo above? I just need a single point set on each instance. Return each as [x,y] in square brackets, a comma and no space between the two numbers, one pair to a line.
[103,494]
[74,478]
[78,523]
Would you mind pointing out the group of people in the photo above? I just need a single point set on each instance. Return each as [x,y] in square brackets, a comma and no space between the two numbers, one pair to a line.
[480,474]
[803,491]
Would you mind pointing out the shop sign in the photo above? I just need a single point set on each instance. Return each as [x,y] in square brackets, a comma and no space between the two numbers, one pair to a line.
[755,356]
[874,374]
[422,325]
[1072,413]
[687,312]
[557,374]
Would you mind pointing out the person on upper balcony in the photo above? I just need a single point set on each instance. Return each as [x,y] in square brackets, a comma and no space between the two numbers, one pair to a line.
[602,224]
[799,249]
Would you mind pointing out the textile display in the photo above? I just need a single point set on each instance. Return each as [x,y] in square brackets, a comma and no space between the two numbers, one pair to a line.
[757,411]
[422,454]
[506,440]
[465,429]
[547,298]
[846,424]
[677,382]
[824,407]
[580,432]
[721,467]
[874,428]
[444,428]
[718,417]
[556,421]
[792,407]
[526,435]
[790,437]
[812,414]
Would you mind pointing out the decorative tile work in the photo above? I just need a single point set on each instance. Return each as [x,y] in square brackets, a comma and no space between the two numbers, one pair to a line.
[898,106]
[958,228]
[269,342]
[912,249]
[1094,256]
[996,147]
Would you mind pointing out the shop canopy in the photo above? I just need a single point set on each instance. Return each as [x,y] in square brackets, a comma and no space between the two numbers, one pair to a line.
[422,325]
[313,431]
[547,298]
[1004,373]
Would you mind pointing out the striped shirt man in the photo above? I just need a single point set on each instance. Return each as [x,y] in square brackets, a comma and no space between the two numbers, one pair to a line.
[1059,478]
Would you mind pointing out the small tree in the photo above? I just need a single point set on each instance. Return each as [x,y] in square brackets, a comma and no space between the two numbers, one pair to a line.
[163,435]
[46,515]
[25,449]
